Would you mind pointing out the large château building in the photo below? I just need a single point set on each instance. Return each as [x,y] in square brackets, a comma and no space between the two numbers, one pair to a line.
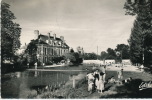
[49,46]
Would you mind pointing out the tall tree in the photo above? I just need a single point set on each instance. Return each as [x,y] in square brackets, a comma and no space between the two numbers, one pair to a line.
[10,32]
[31,51]
[136,44]
[143,11]
[104,55]
[111,53]
[90,56]
[124,49]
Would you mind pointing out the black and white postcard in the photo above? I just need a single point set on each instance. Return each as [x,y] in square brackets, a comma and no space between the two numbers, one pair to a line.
[76,49]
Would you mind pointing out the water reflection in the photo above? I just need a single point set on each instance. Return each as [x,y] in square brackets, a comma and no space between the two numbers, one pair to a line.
[18,74]
[36,73]
[36,81]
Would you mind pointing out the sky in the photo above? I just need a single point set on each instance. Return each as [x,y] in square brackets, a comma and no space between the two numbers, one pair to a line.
[85,23]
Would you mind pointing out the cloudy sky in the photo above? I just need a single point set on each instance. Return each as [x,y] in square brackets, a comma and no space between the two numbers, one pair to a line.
[86,23]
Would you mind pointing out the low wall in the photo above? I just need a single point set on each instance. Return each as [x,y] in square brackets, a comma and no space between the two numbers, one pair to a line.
[126,62]
[92,61]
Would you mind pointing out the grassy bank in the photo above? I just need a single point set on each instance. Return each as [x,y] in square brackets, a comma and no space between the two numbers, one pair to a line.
[66,90]
[130,90]
[63,91]
[127,90]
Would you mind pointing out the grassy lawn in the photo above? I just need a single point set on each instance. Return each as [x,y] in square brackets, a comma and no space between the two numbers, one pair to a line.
[130,90]
[112,90]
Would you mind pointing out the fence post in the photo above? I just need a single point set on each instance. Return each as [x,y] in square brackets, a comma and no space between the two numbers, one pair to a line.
[73,82]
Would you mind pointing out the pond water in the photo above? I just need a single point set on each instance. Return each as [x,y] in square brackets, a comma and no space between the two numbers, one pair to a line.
[17,85]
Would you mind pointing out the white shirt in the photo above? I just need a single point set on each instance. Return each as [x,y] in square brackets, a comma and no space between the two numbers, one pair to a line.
[90,76]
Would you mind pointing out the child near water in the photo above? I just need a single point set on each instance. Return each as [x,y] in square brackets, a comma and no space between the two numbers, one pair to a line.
[90,78]
[90,86]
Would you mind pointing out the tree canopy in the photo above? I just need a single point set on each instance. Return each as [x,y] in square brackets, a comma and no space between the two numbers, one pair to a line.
[135,43]
[74,57]
[31,51]
[141,34]
[111,53]
[90,56]
[10,32]
[104,55]
[123,49]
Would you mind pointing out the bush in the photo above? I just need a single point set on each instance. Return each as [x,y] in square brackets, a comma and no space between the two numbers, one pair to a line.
[48,63]
[57,59]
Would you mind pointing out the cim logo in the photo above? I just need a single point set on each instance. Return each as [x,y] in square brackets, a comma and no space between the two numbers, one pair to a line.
[145,85]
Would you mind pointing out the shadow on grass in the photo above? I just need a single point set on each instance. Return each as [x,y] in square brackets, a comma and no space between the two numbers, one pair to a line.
[128,90]
[148,69]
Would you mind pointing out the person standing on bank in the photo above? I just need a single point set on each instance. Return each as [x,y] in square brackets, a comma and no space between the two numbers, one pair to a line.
[28,65]
[101,83]
[120,75]
[96,80]
[35,65]
[103,70]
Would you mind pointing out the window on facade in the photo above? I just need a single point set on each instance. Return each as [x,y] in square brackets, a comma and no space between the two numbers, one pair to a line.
[50,42]
[59,51]
[49,51]
[45,51]
[52,51]
[59,43]
[45,59]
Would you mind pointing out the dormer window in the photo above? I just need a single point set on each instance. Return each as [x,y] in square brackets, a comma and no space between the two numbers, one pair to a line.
[59,43]
[47,41]
[55,43]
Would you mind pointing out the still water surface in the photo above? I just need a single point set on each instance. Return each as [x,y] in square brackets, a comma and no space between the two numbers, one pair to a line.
[17,86]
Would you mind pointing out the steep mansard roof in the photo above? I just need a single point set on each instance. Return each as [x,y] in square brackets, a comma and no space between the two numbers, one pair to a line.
[45,37]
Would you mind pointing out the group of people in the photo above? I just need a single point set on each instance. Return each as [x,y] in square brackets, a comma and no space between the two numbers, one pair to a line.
[96,78]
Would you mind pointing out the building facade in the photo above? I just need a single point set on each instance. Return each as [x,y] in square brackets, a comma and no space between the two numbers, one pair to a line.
[49,47]
[80,50]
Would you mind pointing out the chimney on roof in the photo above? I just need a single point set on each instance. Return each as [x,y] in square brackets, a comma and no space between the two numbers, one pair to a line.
[36,33]
[54,36]
[49,34]
[62,38]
